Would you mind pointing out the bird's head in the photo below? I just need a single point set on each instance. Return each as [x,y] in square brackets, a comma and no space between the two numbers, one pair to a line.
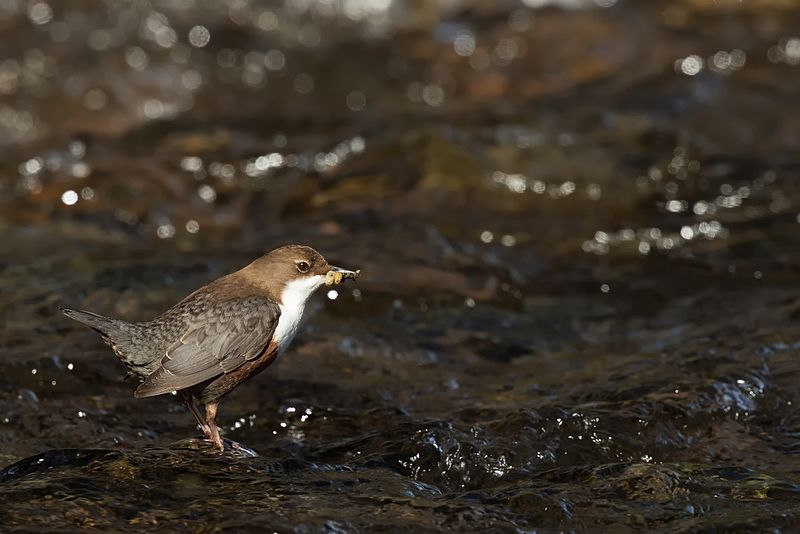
[294,272]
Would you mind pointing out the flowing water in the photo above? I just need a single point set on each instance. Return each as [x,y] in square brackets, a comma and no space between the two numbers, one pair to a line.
[577,224]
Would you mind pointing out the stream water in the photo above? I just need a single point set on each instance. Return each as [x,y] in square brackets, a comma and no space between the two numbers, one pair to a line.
[577,224]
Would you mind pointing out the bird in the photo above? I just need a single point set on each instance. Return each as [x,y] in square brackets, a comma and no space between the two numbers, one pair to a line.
[221,334]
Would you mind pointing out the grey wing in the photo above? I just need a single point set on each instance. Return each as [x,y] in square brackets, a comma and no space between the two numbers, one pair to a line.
[219,340]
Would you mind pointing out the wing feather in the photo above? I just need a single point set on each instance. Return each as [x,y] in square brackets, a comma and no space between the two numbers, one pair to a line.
[215,342]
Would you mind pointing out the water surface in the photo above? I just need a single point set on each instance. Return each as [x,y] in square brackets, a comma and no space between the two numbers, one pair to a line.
[577,224]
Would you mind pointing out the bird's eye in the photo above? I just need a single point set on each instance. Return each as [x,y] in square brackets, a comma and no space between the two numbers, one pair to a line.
[303,266]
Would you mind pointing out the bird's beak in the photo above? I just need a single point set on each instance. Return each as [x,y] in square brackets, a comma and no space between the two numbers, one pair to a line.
[336,275]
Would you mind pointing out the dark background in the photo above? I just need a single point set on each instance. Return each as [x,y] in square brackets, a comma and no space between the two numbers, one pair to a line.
[577,223]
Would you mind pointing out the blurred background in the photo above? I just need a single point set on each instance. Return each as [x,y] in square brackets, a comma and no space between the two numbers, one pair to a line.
[577,222]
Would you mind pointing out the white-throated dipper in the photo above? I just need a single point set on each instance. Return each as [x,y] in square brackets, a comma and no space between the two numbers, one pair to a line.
[223,333]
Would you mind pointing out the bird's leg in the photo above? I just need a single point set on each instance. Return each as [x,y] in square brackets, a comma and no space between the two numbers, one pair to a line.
[191,403]
[211,418]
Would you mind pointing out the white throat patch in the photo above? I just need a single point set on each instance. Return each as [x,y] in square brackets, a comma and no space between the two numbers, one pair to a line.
[293,304]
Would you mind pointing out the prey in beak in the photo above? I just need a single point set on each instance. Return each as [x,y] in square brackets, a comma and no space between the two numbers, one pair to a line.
[337,275]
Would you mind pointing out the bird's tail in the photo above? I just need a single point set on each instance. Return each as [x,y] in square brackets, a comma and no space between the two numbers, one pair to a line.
[104,325]
[120,335]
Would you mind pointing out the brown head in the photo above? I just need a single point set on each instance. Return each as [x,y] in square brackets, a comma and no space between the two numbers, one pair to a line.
[294,272]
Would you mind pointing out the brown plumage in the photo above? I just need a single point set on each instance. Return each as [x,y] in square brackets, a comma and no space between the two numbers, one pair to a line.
[222,334]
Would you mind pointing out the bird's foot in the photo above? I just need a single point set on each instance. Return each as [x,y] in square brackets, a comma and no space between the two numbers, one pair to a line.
[229,448]
[234,448]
